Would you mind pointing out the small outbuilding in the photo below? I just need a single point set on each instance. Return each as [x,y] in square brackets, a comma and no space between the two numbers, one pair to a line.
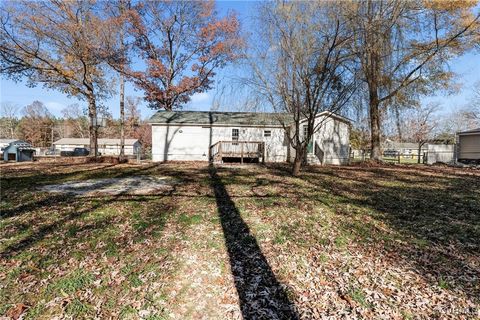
[105,146]
[468,146]
[18,150]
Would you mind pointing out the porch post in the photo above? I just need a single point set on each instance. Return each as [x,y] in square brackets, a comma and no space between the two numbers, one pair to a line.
[220,150]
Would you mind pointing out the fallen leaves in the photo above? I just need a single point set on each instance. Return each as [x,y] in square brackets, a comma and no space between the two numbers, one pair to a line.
[343,242]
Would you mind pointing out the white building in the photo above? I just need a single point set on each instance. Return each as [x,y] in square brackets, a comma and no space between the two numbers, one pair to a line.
[468,146]
[222,136]
[105,146]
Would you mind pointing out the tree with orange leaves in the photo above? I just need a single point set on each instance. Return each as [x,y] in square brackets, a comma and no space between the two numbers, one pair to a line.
[59,44]
[182,44]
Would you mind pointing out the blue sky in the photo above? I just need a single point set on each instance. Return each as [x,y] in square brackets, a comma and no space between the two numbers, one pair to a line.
[466,67]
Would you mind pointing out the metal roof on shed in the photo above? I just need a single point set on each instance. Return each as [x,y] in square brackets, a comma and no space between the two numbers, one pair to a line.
[470,131]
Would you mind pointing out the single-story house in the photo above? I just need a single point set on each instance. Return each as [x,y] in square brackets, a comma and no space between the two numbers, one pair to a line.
[105,146]
[223,136]
[18,150]
[468,146]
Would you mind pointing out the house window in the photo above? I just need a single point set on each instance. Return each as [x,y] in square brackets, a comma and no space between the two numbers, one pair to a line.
[235,134]
[267,133]
[305,132]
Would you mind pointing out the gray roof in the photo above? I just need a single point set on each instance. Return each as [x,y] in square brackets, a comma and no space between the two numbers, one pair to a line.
[7,141]
[223,118]
[470,131]
[86,141]
[20,145]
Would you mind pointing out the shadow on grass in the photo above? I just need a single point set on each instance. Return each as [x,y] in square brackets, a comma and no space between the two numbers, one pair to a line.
[438,217]
[261,295]
[29,181]
[77,207]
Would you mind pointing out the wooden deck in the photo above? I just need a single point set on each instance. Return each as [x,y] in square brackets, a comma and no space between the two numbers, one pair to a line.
[237,149]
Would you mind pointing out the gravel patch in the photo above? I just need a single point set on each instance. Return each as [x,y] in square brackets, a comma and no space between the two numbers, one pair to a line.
[138,185]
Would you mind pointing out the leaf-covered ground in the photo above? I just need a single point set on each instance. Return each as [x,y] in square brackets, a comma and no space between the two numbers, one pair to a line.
[250,242]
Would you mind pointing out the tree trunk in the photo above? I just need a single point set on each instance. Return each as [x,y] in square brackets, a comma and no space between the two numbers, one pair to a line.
[122,117]
[93,127]
[298,161]
[374,104]
[419,150]
[297,164]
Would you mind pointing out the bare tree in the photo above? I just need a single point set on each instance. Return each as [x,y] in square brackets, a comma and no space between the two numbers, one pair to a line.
[9,120]
[420,125]
[75,118]
[59,44]
[302,67]
[132,119]
[472,110]
[406,44]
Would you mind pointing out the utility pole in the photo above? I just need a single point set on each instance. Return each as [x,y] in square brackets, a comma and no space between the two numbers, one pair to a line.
[122,90]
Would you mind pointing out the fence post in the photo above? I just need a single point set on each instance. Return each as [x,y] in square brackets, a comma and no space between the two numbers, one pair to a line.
[399,158]
[241,151]
[263,151]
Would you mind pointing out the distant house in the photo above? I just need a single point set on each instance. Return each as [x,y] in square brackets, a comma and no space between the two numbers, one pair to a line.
[468,146]
[249,136]
[403,148]
[18,150]
[105,146]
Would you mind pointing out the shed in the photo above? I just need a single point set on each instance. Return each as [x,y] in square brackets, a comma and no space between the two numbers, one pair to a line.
[18,150]
[105,146]
[468,146]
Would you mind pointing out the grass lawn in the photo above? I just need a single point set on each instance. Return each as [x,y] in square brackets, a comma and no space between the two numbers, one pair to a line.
[393,242]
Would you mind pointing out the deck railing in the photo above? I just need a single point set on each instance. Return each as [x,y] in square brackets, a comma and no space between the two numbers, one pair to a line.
[237,149]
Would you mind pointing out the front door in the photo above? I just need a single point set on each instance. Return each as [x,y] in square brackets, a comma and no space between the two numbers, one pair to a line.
[310,143]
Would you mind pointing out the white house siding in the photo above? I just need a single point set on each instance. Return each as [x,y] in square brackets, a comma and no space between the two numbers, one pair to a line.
[440,153]
[191,142]
[331,142]
[103,149]
[177,142]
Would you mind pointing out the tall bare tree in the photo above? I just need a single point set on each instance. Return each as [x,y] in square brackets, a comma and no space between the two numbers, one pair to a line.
[8,119]
[401,44]
[58,44]
[301,67]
